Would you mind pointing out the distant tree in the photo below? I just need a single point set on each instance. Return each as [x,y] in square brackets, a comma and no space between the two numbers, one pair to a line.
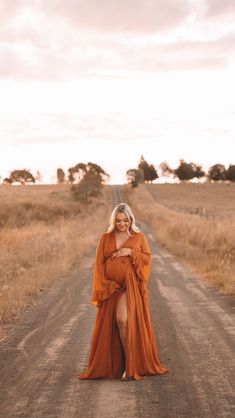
[152,173]
[38,176]
[149,170]
[78,172]
[71,177]
[143,165]
[230,174]
[165,169]
[184,171]
[92,179]
[217,172]
[135,176]
[198,171]
[60,175]
[98,172]
[89,186]
[21,176]
[188,171]
[6,180]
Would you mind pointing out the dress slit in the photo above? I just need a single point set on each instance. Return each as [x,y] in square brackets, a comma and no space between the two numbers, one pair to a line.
[116,331]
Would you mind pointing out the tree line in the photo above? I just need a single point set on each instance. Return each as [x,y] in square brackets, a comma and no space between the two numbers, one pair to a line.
[86,179]
[146,172]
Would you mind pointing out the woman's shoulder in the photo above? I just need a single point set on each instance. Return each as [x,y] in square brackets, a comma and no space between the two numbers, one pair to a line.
[138,233]
[106,235]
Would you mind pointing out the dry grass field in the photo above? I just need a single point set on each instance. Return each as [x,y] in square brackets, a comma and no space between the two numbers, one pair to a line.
[43,233]
[196,222]
[212,200]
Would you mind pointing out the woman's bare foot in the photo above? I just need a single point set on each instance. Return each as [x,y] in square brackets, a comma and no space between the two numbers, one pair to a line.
[124,377]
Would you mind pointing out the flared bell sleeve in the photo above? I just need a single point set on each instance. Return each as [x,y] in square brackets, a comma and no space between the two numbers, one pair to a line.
[102,286]
[141,260]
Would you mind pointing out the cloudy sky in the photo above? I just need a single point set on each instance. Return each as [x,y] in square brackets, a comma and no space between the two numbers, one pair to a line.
[107,81]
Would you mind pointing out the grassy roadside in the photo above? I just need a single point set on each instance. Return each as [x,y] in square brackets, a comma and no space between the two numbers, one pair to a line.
[44,234]
[206,245]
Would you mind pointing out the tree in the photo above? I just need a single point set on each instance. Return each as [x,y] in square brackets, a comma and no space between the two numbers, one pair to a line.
[198,171]
[217,172]
[188,171]
[89,186]
[76,173]
[230,174]
[152,173]
[38,176]
[135,176]
[79,171]
[6,180]
[98,172]
[149,171]
[92,179]
[60,175]
[21,176]
[71,177]
[165,169]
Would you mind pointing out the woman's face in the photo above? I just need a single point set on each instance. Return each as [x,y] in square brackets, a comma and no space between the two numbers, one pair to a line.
[122,222]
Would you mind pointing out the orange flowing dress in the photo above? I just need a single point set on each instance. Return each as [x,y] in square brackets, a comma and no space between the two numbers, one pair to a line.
[112,276]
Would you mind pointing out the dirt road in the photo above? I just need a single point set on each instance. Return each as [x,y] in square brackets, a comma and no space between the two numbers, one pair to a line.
[48,346]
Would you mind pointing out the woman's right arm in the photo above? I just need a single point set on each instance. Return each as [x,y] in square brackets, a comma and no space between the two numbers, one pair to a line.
[102,287]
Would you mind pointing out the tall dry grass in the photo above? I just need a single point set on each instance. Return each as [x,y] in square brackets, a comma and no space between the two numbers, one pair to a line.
[206,244]
[43,233]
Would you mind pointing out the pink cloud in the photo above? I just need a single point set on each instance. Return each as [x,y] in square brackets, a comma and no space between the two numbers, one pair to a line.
[218,8]
[128,16]
[23,35]
[10,64]
[116,59]
[120,15]
[9,9]
[108,38]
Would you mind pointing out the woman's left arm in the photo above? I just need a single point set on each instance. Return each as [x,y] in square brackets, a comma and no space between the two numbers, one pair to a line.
[141,259]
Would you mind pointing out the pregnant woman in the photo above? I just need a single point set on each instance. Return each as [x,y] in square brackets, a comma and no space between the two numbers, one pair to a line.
[123,345]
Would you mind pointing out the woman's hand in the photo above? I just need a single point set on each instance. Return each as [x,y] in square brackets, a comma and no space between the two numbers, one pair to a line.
[122,252]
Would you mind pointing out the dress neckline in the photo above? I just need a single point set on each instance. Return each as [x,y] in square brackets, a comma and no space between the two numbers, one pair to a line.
[115,240]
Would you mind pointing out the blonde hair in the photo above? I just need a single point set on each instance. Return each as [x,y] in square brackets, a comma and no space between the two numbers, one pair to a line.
[123,208]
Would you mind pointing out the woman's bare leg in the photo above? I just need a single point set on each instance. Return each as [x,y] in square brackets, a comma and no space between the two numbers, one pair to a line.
[121,317]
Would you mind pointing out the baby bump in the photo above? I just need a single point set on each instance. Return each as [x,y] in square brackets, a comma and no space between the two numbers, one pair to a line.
[116,269]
